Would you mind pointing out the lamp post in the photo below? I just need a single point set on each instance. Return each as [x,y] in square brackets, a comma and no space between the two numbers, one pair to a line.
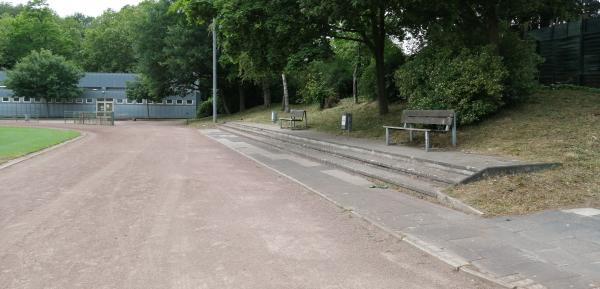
[214,102]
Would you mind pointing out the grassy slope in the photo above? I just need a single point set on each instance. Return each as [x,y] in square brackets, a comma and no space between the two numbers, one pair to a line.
[18,141]
[561,126]
[558,126]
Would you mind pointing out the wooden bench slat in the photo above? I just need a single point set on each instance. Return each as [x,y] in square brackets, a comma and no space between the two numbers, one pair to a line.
[427,120]
[429,113]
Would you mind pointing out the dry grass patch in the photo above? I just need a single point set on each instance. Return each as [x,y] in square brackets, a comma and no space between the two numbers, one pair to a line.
[555,126]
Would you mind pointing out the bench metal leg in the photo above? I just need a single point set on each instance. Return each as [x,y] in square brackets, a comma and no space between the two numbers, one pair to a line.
[426,141]
[387,136]
[410,135]
[454,131]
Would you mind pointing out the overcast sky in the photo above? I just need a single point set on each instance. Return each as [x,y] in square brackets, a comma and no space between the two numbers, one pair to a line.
[87,7]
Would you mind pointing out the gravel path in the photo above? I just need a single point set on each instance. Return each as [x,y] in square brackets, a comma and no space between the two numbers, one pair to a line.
[157,205]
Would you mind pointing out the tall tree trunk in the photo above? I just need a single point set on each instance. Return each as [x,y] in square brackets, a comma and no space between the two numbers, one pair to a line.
[286,97]
[355,76]
[147,110]
[224,102]
[379,47]
[266,93]
[493,25]
[242,94]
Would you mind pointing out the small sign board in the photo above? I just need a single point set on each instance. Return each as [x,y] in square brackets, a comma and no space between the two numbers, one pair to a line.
[346,123]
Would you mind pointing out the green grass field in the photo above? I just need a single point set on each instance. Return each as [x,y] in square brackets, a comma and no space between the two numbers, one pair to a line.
[19,141]
[552,125]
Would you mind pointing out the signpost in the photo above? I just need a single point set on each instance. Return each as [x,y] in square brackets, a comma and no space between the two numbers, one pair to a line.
[346,124]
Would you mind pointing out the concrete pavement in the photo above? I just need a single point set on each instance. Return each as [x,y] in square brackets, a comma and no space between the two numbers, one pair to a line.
[552,249]
[158,205]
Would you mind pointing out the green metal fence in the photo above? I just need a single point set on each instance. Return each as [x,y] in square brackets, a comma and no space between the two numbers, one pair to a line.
[571,52]
[86,117]
[22,117]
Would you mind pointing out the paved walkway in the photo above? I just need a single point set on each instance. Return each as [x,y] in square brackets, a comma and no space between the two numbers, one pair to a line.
[156,205]
[554,249]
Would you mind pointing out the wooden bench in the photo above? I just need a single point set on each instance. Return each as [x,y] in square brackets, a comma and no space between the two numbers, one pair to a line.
[435,120]
[295,116]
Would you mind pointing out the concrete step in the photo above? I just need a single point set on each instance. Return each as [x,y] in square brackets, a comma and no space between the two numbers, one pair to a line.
[397,164]
[412,182]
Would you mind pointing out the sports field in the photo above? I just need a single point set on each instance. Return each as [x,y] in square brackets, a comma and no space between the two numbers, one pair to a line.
[19,141]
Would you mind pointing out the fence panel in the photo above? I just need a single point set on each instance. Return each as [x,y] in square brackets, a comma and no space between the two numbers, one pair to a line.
[571,52]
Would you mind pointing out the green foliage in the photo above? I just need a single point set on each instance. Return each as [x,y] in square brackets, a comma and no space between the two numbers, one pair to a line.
[35,27]
[139,89]
[521,62]
[173,54]
[367,84]
[108,42]
[205,108]
[468,81]
[46,75]
[316,89]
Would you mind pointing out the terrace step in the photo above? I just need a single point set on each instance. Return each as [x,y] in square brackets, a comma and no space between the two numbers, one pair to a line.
[415,180]
[398,164]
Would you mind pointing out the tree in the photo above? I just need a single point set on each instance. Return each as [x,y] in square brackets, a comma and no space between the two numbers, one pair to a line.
[370,22]
[139,90]
[7,9]
[108,42]
[34,28]
[261,36]
[42,74]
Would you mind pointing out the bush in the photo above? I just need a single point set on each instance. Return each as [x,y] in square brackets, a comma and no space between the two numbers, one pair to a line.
[205,108]
[317,90]
[521,62]
[469,81]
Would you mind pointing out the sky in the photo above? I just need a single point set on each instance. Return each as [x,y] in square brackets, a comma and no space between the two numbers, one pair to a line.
[87,7]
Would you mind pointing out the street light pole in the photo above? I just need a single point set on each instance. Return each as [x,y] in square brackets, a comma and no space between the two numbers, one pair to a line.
[214,102]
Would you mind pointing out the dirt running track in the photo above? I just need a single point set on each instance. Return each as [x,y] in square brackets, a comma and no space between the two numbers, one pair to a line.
[157,205]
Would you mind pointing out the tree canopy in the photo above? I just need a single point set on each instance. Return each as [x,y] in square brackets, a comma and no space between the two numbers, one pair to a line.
[42,74]
[297,50]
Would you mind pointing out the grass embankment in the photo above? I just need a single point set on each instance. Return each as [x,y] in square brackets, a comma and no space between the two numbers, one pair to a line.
[554,126]
[19,141]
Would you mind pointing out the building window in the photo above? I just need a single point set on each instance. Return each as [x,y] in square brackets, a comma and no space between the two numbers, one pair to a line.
[159,102]
[68,101]
[119,100]
[5,99]
[58,100]
[51,100]
[89,100]
[150,102]
[180,101]
[109,100]
[26,99]
[79,100]
[169,101]
[15,99]
[189,101]
[37,100]
[129,101]
[139,101]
